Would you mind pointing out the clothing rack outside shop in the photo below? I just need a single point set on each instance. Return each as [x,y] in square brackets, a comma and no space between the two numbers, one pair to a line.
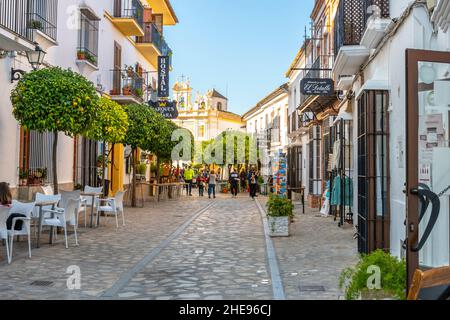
[341,177]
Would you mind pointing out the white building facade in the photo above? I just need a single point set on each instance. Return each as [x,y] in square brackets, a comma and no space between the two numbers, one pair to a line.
[114,44]
[268,121]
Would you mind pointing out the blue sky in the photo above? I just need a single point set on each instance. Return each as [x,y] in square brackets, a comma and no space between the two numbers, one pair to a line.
[243,45]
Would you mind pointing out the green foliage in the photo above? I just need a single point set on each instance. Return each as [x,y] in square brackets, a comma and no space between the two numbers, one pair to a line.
[23,174]
[393,276]
[279,207]
[110,123]
[142,127]
[53,99]
[141,169]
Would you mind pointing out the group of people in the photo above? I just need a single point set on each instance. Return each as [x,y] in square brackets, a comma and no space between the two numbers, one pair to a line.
[203,179]
[206,179]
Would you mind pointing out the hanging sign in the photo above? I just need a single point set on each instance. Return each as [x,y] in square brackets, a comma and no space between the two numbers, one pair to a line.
[168,109]
[317,87]
[163,76]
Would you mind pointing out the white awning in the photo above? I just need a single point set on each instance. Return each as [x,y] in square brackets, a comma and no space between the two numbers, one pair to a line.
[373,85]
[344,112]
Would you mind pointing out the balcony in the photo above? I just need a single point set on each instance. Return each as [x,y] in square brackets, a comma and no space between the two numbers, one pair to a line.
[42,20]
[128,17]
[24,21]
[352,19]
[165,8]
[128,87]
[152,44]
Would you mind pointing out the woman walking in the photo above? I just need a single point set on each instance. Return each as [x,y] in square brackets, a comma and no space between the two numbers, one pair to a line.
[253,182]
[212,181]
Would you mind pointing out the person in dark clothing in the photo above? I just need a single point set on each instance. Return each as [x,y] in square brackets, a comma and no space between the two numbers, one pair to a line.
[234,182]
[253,182]
[243,177]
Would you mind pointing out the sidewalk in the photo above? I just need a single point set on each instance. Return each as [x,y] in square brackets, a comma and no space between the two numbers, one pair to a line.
[194,248]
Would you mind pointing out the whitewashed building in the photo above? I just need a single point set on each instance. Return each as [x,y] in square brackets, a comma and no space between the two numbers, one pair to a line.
[115,44]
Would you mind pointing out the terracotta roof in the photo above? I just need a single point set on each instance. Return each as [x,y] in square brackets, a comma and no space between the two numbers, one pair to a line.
[216,94]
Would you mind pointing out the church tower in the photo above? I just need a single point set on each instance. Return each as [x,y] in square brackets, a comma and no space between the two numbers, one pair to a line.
[182,92]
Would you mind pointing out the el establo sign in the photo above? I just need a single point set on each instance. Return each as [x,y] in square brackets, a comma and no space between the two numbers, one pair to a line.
[163,76]
[319,87]
[168,109]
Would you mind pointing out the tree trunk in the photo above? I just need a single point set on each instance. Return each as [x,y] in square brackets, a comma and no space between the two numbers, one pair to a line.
[105,192]
[158,164]
[54,164]
[133,181]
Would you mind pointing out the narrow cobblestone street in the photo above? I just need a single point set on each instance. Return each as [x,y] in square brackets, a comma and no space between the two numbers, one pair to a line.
[190,249]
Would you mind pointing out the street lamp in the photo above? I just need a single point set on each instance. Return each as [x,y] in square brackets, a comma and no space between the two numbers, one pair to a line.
[35,58]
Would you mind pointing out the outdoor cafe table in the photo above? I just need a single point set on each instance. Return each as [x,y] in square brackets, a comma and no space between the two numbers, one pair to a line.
[93,195]
[41,205]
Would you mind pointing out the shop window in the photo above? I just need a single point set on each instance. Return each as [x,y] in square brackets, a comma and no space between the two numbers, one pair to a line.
[373,171]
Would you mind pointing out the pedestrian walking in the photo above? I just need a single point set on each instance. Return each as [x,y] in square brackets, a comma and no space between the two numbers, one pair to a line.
[212,181]
[201,183]
[243,176]
[234,182]
[188,176]
[253,182]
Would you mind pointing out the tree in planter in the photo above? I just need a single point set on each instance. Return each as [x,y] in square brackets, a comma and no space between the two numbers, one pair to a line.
[54,99]
[110,125]
[144,127]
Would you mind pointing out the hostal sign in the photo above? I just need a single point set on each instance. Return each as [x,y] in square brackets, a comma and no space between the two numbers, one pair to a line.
[317,87]
[163,76]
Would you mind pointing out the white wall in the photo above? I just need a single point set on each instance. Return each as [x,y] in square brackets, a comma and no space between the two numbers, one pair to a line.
[63,55]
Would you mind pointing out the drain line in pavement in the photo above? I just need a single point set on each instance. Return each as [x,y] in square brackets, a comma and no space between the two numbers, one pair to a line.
[277,283]
[128,275]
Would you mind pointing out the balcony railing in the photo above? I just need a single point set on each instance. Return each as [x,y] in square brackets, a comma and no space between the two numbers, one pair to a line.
[42,16]
[351,20]
[152,35]
[129,9]
[127,83]
[21,17]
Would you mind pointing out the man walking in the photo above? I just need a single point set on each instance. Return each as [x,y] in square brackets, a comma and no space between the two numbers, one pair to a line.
[212,180]
[253,182]
[188,176]
[234,182]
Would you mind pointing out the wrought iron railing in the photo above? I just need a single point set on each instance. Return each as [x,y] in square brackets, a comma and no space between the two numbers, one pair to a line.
[152,35]
[42,16]
[88,40]
[127,83]
[129,9]
[21,17]
[351,20]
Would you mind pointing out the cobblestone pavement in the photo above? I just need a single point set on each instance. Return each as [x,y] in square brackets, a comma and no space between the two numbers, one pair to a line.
[314,256]
[188,249]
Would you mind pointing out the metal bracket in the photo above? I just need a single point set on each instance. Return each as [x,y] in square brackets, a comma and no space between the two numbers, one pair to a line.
[16,74]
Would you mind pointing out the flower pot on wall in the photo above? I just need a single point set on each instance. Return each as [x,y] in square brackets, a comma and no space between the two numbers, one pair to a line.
[126,91]
[279,226]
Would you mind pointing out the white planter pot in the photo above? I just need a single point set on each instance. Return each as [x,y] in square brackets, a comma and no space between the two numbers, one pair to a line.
[279,226]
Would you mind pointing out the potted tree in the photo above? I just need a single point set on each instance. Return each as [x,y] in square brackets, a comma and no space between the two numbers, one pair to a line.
[280,212]
[360,282]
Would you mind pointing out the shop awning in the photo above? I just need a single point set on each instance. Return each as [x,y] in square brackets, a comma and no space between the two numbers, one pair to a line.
[318,104]
[373,85]
[345,111]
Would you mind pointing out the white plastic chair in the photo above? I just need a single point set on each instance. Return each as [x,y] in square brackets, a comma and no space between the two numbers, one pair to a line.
[64,217]
[4,213]
[87,200]
[27,210]
[114,206]
[44,198]
[48,190]
[66,195]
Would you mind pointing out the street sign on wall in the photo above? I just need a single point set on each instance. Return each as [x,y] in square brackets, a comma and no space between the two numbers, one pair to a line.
[168,109]
[317,87]
[163,76]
